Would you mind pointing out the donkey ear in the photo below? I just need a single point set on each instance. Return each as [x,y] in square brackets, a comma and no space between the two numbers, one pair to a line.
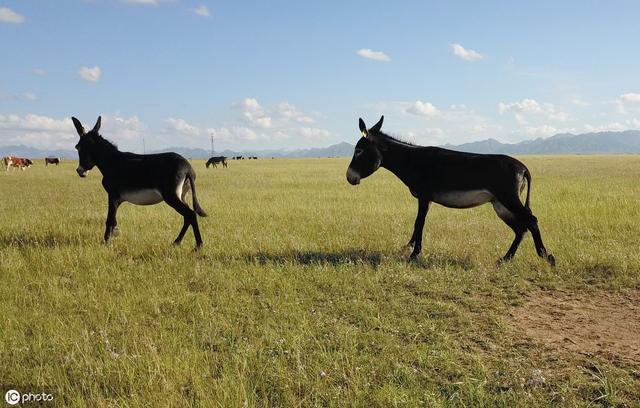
[363,127]
[378,125]
[78,126]
[97,126]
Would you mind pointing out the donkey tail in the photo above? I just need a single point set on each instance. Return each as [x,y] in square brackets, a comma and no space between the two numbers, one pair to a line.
[196,206]
[527,175]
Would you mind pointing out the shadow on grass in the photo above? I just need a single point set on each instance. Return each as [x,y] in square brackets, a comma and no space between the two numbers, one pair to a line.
[27,240]
[318,258]
[429,261]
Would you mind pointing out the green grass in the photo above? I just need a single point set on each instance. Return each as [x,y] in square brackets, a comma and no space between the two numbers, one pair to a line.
[302,295]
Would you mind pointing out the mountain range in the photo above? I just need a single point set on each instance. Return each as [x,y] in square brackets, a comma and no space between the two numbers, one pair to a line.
[587,143]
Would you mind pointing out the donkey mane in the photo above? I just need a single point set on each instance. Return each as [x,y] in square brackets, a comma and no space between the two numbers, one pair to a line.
[102,142]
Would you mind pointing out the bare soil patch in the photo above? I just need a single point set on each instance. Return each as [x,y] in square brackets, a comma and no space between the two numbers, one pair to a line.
[601,323]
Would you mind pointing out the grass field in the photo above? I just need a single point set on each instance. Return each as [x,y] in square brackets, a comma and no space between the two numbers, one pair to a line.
[302,295]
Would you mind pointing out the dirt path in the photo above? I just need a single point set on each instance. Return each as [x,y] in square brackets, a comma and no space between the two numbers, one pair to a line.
[600,323]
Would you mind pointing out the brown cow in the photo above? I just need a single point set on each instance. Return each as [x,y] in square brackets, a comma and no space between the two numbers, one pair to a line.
[51,160]
[17,162]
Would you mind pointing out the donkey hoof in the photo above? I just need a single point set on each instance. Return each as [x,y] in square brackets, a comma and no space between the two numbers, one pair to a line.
[197,248]
[504,260]
[176,243]
[551,259]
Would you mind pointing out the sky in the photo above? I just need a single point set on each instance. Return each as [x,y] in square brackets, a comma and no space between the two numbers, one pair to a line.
[297,74]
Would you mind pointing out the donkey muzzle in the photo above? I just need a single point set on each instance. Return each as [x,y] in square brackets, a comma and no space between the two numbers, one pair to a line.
[82,172]
[353,177]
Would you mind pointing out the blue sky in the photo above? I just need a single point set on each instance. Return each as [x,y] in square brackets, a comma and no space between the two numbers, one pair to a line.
[290,74]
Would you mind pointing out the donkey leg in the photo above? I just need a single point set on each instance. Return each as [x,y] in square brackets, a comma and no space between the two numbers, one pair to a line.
[530,221]
[418,226]
[518,228]
[111,222]
[537,239]
[190,218]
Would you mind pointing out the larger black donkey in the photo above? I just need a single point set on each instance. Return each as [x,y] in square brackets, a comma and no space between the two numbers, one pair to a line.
[452,179]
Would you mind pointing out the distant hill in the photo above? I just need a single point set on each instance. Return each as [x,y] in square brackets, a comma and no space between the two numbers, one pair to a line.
[587,143]
[337,150]
[566,143]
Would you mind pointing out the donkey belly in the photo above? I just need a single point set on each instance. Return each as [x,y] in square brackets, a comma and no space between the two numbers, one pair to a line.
[463,199]
[146,196]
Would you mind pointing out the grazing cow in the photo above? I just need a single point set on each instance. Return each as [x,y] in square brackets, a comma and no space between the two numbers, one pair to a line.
[7,160]
[17,162]
[51,160]
[141,179]
[452,179]
[217,159]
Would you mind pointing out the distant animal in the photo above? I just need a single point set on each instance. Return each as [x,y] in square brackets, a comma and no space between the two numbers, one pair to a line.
[253,157]
[237,157]
[17,162]
[141,179]
[452,179]
[217,159]
[51,160]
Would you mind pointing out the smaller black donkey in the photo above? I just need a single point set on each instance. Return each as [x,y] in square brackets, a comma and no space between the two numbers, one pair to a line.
[452,179]
[141,179]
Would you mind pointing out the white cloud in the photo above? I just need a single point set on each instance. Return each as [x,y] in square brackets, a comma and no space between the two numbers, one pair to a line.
[181,126]
[201,11]
[261,125]
[531,106]
[613,126]
[9,16]
[122,129]
[38,131]
[39,72]
[626,99]
[289,112]
[90,74]
[315,133]
[423,109]
[373,55]
[30,96]
[427,136]
[233,134]
[630,97]
[466,54]
[254,113]
[45,132]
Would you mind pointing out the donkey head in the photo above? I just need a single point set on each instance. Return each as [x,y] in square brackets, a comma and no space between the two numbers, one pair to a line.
[85,146]
[367,156]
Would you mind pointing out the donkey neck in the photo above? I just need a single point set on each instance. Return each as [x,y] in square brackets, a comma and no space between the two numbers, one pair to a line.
[106,157]
[395,158]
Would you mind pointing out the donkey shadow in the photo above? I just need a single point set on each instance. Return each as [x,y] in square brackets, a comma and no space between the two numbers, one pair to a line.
[346,257]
